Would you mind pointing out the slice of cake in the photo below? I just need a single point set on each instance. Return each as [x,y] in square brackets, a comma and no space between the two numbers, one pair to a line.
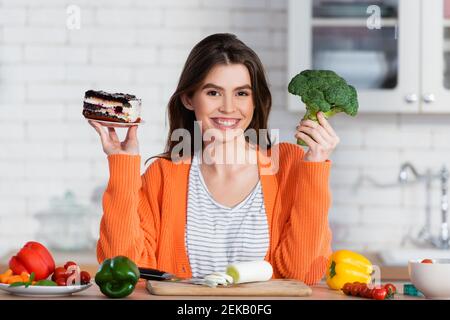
[117,107]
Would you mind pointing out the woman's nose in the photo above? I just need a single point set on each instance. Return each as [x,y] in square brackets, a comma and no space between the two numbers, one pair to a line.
[227,105]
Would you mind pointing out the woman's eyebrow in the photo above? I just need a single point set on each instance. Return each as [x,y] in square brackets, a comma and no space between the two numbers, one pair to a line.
[214,86]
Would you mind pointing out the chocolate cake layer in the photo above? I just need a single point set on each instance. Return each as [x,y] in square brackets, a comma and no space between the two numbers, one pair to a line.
[95,107]
[101,116]
[120,97]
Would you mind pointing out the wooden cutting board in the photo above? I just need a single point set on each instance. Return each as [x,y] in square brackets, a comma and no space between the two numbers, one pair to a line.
[273,288]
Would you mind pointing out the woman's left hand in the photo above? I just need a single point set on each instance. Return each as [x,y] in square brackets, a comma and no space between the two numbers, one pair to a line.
[320,138]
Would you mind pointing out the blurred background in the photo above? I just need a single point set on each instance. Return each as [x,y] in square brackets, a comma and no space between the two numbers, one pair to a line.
[396,52]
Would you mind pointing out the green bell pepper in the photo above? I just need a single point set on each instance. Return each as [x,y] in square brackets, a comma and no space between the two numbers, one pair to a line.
[117,277]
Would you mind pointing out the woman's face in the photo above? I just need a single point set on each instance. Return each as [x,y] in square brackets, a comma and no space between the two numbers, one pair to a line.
[224,102]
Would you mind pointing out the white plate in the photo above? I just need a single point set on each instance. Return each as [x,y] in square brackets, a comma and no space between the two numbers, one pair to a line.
[44,291]
[118,124]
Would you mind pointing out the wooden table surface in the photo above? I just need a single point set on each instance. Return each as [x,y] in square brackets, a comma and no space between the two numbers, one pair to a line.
[319,292]
[87,261]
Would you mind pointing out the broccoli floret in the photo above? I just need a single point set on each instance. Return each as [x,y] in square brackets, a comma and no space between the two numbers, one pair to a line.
[324,90]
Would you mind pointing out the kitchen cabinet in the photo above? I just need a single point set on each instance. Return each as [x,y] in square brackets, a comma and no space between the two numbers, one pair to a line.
[396,52]
[435,35]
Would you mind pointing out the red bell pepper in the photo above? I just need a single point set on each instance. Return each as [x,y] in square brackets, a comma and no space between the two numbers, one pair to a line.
[33,257]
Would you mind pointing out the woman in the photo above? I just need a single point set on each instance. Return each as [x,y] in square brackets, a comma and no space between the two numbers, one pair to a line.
[194,217]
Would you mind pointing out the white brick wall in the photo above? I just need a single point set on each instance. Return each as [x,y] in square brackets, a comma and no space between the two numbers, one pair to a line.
[139,46]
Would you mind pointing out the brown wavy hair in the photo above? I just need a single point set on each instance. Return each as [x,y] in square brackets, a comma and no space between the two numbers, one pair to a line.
[219,48]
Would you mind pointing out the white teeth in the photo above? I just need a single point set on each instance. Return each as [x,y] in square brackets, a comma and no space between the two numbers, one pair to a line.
[226,122]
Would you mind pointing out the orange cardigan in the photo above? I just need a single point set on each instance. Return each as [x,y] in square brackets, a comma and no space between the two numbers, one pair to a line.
[145,216]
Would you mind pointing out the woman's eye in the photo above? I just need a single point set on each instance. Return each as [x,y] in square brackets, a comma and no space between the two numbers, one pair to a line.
[212,93]
[243,93]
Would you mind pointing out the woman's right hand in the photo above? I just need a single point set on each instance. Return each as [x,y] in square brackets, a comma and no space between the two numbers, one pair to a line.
[111,143]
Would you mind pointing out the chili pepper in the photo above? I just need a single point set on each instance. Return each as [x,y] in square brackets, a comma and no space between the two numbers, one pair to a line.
[117,277]
[347,266]
[33,257]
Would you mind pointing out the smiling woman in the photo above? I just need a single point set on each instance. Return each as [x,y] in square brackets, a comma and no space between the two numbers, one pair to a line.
[197,213]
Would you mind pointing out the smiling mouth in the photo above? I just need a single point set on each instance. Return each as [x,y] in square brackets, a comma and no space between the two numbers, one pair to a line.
[225,123]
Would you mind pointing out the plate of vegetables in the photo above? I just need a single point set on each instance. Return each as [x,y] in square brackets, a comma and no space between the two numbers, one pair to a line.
[43,290]
[27,286]
[32,272]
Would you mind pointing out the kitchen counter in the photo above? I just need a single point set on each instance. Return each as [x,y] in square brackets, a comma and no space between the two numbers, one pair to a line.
[319,292]
[87,261]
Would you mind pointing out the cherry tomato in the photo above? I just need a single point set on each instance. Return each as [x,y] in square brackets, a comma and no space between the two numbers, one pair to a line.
[347,289]
[68,264]
[61,282]
[427,261]
[85,277]
[356,289]
[60,272]
[367,292]
[390,289]
[379,293]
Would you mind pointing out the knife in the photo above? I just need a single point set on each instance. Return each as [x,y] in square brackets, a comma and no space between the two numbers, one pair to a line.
[155,274]
[158,275]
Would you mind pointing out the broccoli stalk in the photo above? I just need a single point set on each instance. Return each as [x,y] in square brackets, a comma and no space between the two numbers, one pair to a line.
[325,91]
[312,115]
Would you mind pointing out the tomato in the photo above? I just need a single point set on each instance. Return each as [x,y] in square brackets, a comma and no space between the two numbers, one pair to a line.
[85,277]
[356,289]
[367,292]
[61,282]
[346,289]
[68,264]
[362,289]
[390,289]
[379,293]
[427,261]
[60,272]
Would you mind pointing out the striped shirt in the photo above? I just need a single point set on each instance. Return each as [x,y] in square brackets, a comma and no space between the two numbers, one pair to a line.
[217,235]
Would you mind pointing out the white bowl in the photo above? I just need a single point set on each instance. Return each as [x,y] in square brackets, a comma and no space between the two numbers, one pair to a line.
[432,279]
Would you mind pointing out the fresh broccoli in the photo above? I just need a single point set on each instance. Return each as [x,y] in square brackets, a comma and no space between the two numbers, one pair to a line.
[323,90]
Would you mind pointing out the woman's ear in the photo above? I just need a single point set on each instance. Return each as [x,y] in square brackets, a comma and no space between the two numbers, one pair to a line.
[187,102]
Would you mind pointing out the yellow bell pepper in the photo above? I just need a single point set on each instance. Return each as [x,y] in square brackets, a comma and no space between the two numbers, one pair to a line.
[348,266]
